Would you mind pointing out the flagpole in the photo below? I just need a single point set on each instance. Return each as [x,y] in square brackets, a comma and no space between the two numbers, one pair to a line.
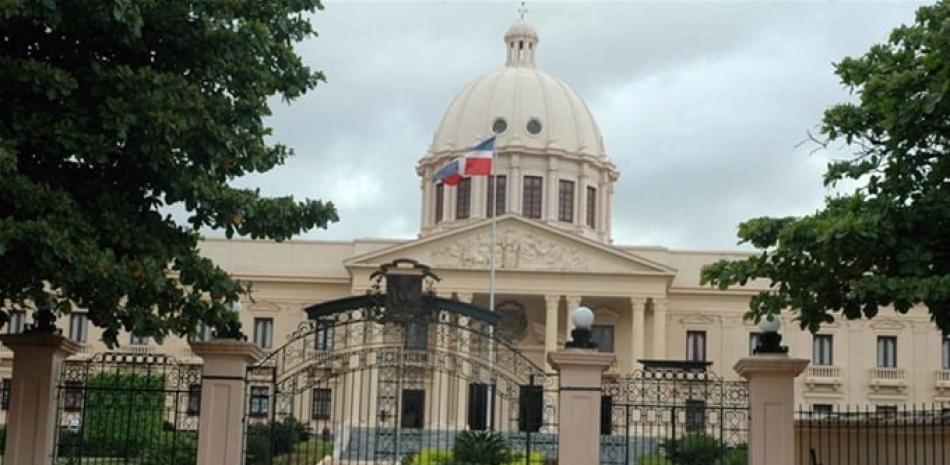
[493,186]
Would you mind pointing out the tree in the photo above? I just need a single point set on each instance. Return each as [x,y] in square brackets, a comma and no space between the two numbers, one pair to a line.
[114,114]
[887,242]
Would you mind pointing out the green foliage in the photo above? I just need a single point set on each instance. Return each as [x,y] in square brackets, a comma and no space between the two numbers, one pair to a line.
[274,439]
[480,447]
[171,448]
[736,456]
[693,449]
[123,413]
[309,452]
[885,243]
[446,457]
[115,113]
[653,459]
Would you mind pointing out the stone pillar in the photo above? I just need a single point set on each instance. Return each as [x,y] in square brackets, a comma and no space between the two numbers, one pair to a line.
[659,329]
[221,421]
[550,207]
[31,420]
[515,185]
[771,406]
[428,194]
[637,331]
[551,310]
[573,301]
[579,406]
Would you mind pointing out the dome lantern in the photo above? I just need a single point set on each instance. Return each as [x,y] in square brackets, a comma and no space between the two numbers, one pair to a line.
[521,42]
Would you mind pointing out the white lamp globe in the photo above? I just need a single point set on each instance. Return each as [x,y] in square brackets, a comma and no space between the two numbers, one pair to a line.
[234,305]
[582,318]
[770,323]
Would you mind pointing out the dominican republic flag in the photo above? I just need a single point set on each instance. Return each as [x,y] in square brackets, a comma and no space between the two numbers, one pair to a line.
[475,162]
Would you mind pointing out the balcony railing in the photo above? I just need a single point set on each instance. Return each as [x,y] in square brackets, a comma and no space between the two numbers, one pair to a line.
[138,349]
[888,377]
[827,375]
[943,379]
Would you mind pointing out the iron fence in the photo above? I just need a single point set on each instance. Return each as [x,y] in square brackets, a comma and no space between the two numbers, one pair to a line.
[874,435]
[116,408]
[673,416]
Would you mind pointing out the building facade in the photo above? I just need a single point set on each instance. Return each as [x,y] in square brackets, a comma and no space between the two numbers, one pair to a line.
[553,251]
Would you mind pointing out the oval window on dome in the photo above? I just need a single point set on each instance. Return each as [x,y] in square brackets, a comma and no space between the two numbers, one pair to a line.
[534,126]
[499,126]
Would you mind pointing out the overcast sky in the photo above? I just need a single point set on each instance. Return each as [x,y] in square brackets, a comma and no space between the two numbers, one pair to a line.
[702,105]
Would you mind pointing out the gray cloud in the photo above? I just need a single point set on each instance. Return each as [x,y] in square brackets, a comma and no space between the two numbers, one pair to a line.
[701,104]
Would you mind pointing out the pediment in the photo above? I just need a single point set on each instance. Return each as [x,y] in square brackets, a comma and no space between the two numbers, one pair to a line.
[520,244]
[887,324]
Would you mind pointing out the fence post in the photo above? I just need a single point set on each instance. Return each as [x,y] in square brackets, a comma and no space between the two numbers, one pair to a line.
[220,422]
[771,406]
[580,372]
[31,421]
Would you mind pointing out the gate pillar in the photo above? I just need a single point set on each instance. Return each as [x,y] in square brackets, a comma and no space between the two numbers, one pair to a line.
[31,422]
[220,423]
[771,406]
[580,372]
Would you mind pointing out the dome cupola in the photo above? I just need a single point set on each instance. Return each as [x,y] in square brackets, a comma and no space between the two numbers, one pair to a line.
[549,154]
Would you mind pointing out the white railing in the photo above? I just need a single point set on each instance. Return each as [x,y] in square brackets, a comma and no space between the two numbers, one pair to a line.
[824,371]
[890,376]
[138,349]
[943,376]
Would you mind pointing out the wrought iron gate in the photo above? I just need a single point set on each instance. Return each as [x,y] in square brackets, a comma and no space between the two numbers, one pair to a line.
[674,414]
[117,408]
[397,377]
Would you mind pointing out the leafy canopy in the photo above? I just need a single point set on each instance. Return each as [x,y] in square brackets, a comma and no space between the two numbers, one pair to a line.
[115,113]
[887,243]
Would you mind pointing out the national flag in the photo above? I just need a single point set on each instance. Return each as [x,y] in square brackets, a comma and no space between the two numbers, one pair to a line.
[475,162]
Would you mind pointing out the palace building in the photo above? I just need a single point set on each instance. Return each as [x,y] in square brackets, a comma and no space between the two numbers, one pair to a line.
[554,252]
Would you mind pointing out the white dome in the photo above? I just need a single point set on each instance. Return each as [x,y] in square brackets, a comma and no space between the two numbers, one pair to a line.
[518,94]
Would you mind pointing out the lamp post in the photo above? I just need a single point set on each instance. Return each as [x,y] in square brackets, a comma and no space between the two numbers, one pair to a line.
[771,341]
[583,319]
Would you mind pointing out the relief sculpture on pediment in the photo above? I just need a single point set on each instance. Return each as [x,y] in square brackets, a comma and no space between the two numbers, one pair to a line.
[514,249]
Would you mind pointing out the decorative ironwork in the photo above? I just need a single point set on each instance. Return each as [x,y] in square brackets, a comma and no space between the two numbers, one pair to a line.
[118,407]
[647,414]
[385,376]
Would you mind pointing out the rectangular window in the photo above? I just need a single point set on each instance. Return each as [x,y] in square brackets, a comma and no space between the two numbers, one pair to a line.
[463,199]
[822,353]
[695,415]
[946,353]
[322,398]
[260,401]
[591,206]
[531,206]
[479,395]
[135,340]
[439,201]
[606,415]
[194,400]
[530,408]
[603,335]
[264,332]
[696,346]
[754,339]
[72,396]
[325,338]
[886,351]
[417,336]
[565,201]
[822,408]
[5,393]
[17,320]
[502,186]
[413,408]
[78,327]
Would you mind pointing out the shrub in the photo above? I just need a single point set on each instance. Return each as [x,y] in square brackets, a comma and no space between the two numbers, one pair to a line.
[652,459]
[430,457]
[172,449]
[480,447]
[122,413]
[736,456]
[693,449]
[266,440]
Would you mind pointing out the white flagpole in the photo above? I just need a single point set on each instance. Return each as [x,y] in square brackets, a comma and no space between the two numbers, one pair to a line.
[493,187]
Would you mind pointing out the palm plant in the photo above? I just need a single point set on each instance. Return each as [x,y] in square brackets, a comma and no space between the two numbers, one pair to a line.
[481,448]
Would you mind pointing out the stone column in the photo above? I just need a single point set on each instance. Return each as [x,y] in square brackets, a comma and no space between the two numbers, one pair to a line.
[573,301]
[637,331]
[515,185]
[579,405]
[581,196]
[31,420]
[551,196]
[221,421]
[551,310]
[659,329]
[428,194]
[771,406]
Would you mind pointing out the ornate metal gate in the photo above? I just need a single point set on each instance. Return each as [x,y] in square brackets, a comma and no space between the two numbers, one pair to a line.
[674,412]
[398,376]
